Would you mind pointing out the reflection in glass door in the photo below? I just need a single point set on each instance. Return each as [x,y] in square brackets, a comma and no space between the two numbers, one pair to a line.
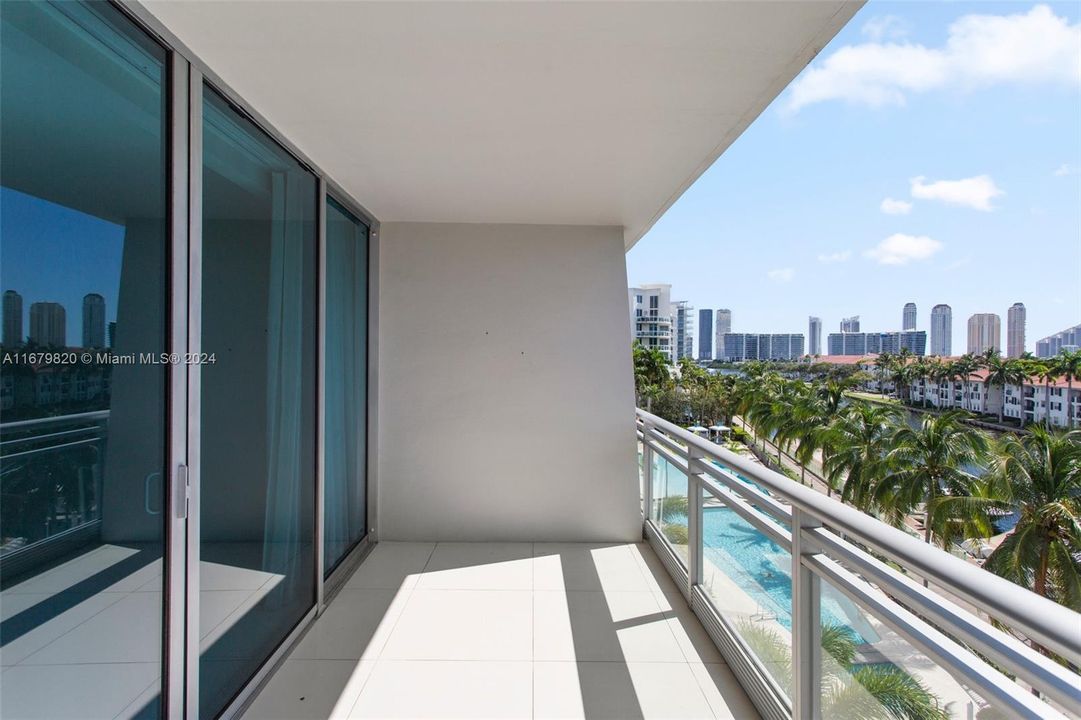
[83,225]
[346,372]
[257,418]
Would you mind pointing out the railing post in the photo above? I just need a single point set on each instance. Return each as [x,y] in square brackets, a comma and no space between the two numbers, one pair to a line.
[695,462]
[806,624]
[647,471]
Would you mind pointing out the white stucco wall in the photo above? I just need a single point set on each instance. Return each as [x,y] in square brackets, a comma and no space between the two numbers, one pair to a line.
[506,408]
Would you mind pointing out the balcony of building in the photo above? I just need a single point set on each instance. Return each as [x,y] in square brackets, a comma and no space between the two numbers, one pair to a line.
[393,472]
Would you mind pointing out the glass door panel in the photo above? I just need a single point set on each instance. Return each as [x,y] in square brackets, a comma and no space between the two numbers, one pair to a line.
[257,436]
[84,239]
[346,398]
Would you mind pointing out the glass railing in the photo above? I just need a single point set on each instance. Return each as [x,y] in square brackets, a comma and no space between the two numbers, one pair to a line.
[823,611]
[50,479]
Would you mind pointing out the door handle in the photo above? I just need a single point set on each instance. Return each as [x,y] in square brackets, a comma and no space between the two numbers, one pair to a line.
[146,493]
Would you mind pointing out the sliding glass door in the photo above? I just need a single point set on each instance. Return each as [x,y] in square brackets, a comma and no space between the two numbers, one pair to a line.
[160,365]
[84,214]
[257,430]
[346,377]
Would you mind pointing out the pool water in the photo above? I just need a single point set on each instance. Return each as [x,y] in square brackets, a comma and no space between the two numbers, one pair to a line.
[762,569]
[759,566]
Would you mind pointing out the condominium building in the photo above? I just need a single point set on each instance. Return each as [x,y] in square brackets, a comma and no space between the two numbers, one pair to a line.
[1068,339]
[13,319]
[48,325]
[763,346]
[814,335]
[984,333]
[850,324]
[941,330]
[722,327]
[908,317]
[863,343]
[651,318]
[705,334]
[93,321]
[414,482]
[1015,330]
[683,329]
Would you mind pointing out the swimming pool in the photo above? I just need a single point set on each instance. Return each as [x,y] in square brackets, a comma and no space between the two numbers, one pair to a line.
[759,566]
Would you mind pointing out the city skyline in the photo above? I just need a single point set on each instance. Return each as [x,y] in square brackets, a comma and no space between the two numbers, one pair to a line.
[844,199]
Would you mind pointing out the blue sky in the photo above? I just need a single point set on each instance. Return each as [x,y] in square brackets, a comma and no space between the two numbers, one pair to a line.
[931,153]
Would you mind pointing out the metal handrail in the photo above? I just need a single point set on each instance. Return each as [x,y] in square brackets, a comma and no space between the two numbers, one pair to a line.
[1044,621]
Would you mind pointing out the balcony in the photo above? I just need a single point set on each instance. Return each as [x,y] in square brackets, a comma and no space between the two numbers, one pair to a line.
[505,630]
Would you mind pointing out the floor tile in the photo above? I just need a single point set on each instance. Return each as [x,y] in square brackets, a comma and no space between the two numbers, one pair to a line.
[479,566]
[392,565]
[585,566]
[723,692]
[78,692]
[311,690]
[463,625]
[617,691]
[694,641]
[426,690]
[127,631]
[653,570]
[356,624]
[601,626]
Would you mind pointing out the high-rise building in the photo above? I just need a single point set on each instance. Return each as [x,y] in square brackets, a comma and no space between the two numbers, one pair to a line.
[1069,339]
[861,343]
[722,327]
[908,317]
[13,319]
[705,334]
[112,334]
[941,330]
[48,324]
[93,321]
[814,335]
[683,325]
[762,346]
[651,318]
[1015,330]
[850,324]
[984,333]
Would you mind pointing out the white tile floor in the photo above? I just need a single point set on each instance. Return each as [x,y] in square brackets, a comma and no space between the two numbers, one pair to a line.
[505,630]
[100,658]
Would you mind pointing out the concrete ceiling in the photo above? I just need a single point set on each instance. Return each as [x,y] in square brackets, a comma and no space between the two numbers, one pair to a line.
[570,112]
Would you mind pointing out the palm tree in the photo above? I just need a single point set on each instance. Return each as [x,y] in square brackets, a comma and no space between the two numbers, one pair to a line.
[1039,474]
[935,458]
[858,440]
[963,368]
[1001,373]
[848,690]
[1049,373]
[650,373]
[1068,364]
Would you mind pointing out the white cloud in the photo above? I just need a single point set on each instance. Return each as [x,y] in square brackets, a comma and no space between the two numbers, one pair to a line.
[901,249]
[895,207]
[781,275]
[981,50]
[835,257]
[974,192]
[1065,169]
[885,26]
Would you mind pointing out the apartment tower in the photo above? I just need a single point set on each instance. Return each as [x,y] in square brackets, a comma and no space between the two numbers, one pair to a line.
[1015,330]
[48,324]
[984,333]
[908,317]
[13,319]
[93,321]
[814,335]
[705,334]
[941,330]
